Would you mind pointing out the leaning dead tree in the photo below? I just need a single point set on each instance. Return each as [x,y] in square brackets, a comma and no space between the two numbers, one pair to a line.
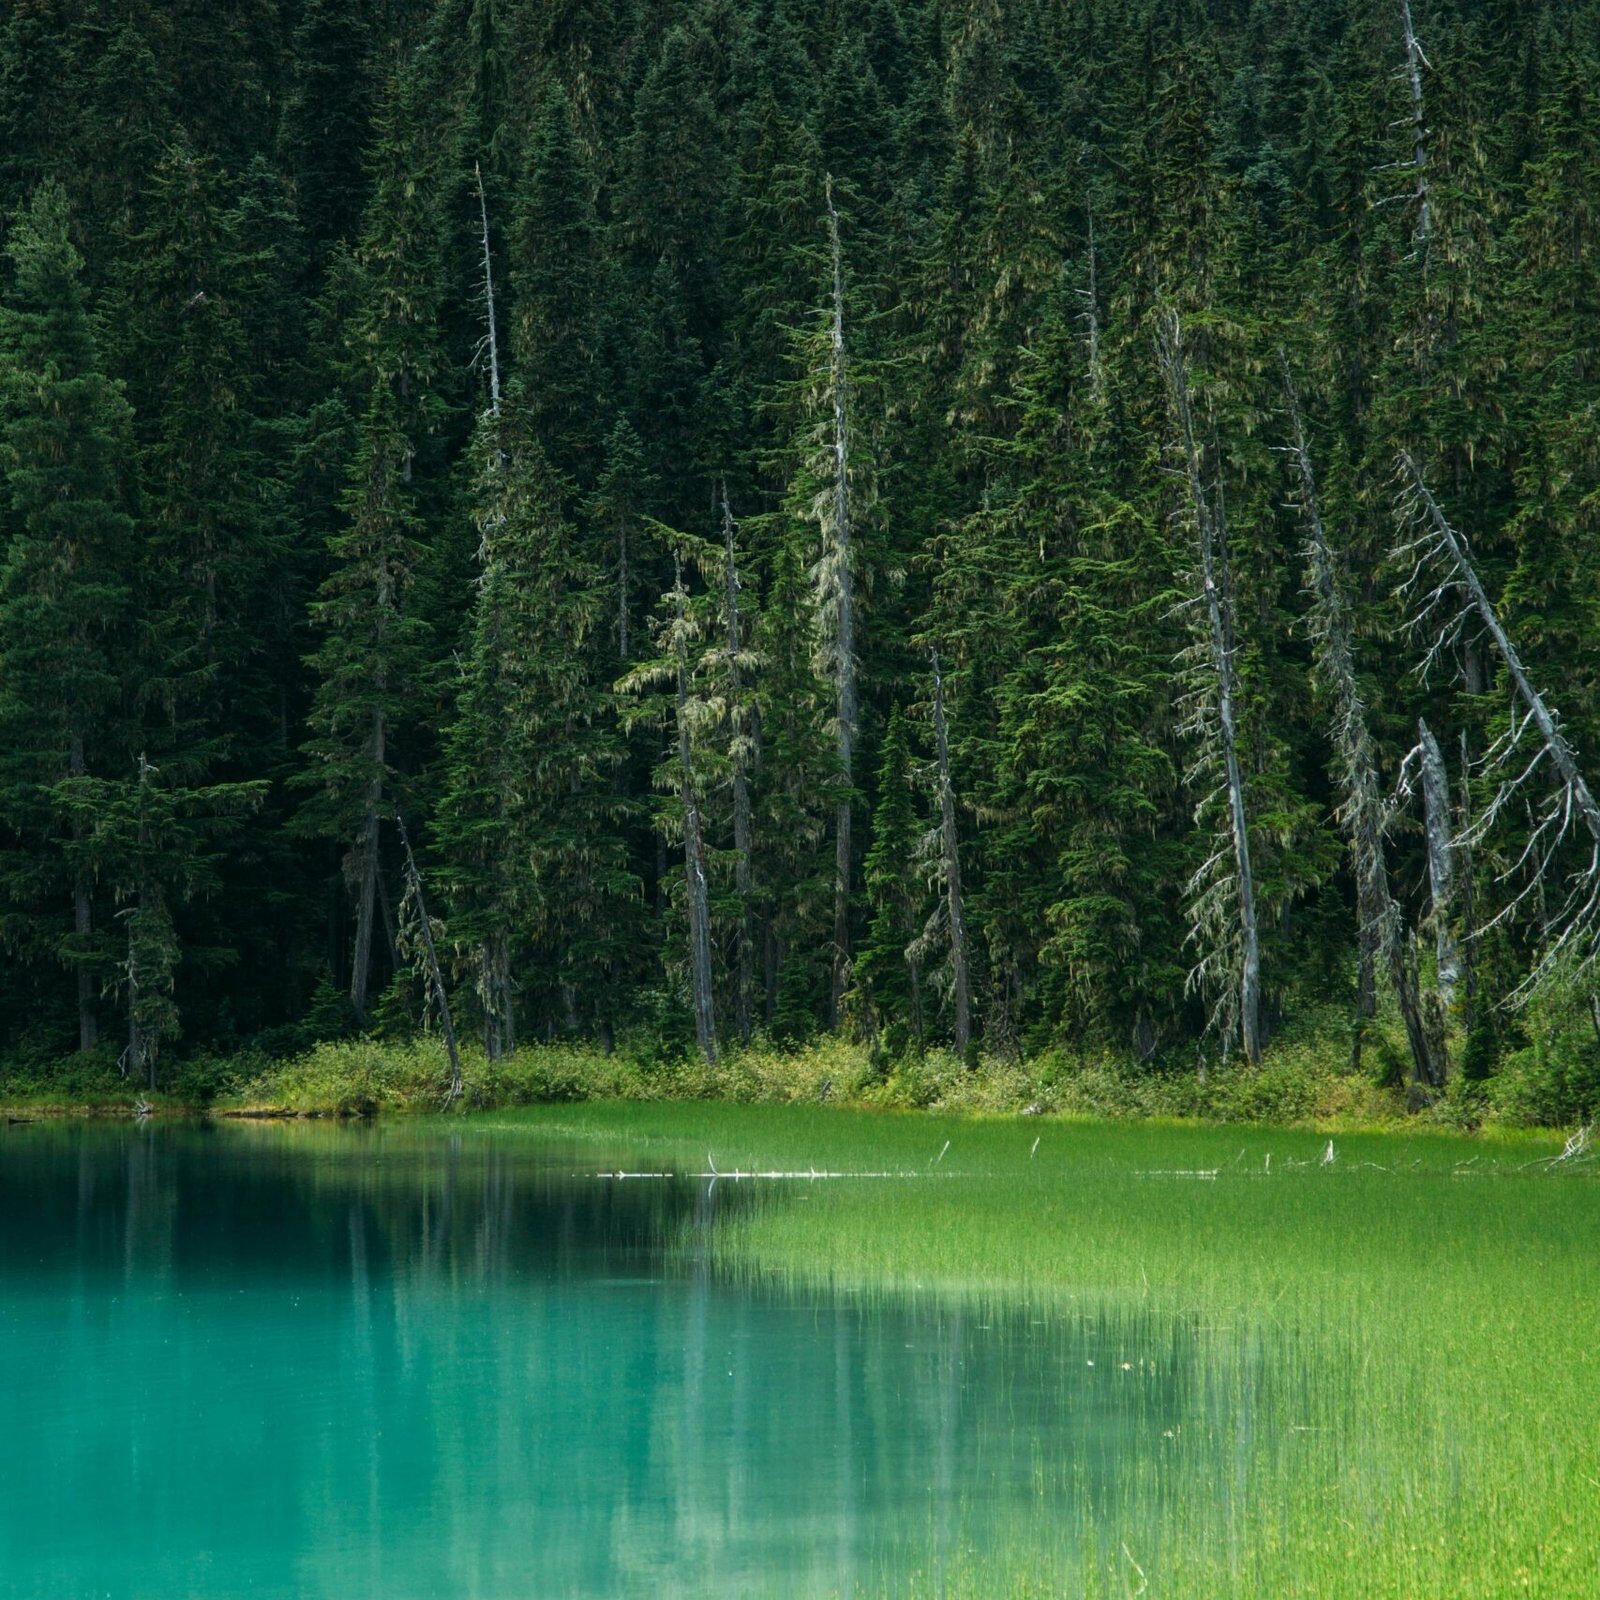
[1535,769]
[1382,935]
[1222,900]
[430,957]
[836,596]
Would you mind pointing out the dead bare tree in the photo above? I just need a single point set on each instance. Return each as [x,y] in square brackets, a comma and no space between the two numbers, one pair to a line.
[950,854]
[491,343]
[1451,607]
[696,878]
[1222,903]
[431,961]
[1441,860]
[741,750]
[1382,934]
[837,609]
[1416,121]
[1090,317]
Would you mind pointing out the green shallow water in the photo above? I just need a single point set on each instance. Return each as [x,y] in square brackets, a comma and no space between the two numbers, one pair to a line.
[450,1359]
[236,1361]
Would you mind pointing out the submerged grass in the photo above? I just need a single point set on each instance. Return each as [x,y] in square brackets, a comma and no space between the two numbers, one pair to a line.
[1399,1347]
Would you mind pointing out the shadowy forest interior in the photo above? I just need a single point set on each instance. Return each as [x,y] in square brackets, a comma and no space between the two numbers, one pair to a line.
[1008,525]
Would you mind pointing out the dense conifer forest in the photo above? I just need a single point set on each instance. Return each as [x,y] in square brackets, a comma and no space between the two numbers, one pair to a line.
[1000,524]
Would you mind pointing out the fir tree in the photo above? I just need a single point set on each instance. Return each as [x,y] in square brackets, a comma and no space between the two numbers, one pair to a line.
[65,598]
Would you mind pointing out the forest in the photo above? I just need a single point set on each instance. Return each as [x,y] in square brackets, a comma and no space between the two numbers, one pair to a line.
[1002,526]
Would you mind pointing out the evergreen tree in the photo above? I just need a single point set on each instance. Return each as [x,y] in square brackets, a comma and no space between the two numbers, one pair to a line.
[373,658]
[66,592]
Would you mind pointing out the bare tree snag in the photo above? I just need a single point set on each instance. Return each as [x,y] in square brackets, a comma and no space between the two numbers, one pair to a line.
[1230,948]
[1382,935]
[741,749]
[1415,62]
[1441,860]
[950,850]
[82,913]
[1090,296]
[365,870]
[431,956]
[491,343]
[696,885]
[839,616]
[1557,810]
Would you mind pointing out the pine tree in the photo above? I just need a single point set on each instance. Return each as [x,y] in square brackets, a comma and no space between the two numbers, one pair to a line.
[558,293]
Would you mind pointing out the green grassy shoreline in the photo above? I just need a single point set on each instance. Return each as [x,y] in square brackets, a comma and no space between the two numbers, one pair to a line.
[1305,1081]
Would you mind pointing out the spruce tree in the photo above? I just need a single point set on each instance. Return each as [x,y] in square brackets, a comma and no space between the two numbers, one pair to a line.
[373,657]
[66,593]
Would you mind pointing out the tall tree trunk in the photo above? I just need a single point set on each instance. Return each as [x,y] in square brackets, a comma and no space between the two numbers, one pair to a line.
[1090,296]
[82,916]
[431,955]
[696,886]
[742,867]
[491,335]
[1441,862]
[1381,932]
[952,869]
[367,880]
[1219,621]
[844,625]
[1415,62]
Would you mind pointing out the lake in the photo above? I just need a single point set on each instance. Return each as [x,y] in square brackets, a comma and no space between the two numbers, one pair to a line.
[432,1360]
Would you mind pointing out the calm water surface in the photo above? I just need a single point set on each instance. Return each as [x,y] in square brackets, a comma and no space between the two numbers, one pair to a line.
[336,1362]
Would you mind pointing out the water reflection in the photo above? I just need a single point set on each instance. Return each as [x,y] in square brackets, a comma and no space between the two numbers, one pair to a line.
[368,1362]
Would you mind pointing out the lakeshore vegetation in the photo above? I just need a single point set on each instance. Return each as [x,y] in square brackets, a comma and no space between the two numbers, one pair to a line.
[997,554]
[1281,1364]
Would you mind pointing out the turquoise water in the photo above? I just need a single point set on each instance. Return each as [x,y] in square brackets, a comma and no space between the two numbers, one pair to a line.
[349,1362]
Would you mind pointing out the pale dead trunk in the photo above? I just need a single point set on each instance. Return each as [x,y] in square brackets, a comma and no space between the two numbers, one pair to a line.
[431,955]
[1381,932]
[962,987]
[367,879]
[1415,62]
[1218,604]
[491,337]
[848,707]
[622,589]
[82,916]
[1441,862]
[1091,318]
[697,889]
[1550,735]
[741,784]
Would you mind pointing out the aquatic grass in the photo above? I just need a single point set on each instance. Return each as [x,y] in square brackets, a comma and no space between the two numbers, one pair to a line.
[1426,1422]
